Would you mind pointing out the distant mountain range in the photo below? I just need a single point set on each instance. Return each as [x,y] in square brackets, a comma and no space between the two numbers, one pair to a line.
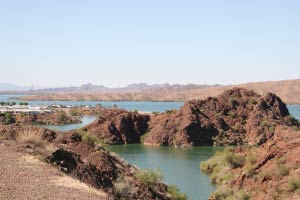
[288,90]
[136,87]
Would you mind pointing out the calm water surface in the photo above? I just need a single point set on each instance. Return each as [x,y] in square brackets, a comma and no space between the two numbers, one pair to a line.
[85,120]
[146,106]
[180,166]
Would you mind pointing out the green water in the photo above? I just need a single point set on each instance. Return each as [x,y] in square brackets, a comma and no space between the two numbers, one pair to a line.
[85,120]
[180,166]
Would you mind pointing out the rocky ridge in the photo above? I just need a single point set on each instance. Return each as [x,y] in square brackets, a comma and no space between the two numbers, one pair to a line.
[267,172]
[84,160]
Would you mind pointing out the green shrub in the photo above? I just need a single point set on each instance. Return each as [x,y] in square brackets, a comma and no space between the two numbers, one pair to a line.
[232,100]
[265,123]
[252,101]
[74,113]
[9,118]
[283,170]
[221,194]
[62,116]
[150,177]
[175,193]
[88,138]
[251,158]
[229,194]
[234,160]
[293,185]
[291,119]
[155,112]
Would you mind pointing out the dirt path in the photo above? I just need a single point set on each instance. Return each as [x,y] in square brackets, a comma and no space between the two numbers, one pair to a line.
[25,177]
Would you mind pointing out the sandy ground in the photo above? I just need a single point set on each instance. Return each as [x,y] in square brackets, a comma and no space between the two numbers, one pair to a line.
[25,177]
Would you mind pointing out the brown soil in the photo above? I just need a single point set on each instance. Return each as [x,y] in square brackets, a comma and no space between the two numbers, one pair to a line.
[24,176]
[83,161]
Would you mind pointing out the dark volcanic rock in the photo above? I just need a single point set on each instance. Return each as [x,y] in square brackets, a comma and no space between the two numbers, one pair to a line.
[119,126]
[104,170]
[238,116]
[89,163]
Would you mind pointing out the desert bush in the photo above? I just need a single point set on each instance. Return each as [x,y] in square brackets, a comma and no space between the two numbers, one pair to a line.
[124,188]
[74,113]
[251,158]
[293,185]
[229,194]
[29,136]
[90,139]
[150,177]
[234,160]
[282,170]
[292,120]
[155,112]
[62,116]
[221,194]
[175,193]
[252,101]
[9,118]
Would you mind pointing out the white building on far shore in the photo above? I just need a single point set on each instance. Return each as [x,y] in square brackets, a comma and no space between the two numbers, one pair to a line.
[25,109]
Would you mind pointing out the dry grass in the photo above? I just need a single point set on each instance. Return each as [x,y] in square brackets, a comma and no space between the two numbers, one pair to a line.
[29,136]
[69,182]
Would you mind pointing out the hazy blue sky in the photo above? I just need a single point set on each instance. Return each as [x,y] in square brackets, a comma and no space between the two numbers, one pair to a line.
[71,42]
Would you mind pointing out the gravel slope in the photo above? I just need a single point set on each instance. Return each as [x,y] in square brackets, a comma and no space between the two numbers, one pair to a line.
[24,176]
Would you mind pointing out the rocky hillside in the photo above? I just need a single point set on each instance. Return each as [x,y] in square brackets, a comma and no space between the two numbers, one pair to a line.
[238,116]
[270,171]
[80,157]
[115,126]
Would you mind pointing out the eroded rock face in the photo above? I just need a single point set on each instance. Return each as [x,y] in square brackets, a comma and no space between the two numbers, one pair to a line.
[104,170]
[238,116]
[119,126]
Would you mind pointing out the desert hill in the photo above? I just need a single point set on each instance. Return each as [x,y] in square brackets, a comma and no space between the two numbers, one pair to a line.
[287,90]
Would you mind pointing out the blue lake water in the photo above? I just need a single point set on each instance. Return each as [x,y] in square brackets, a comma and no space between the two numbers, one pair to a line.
[85,120]
[147,106]
[180,166]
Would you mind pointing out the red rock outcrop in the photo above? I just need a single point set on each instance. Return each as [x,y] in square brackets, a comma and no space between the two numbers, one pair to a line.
[267,172]
[115,126]
[238,116]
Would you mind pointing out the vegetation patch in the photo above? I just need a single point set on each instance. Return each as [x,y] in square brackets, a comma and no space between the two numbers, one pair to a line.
[150,177]
[175,193]
[29,137]
[234,160]
[294,185]
[88,138]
